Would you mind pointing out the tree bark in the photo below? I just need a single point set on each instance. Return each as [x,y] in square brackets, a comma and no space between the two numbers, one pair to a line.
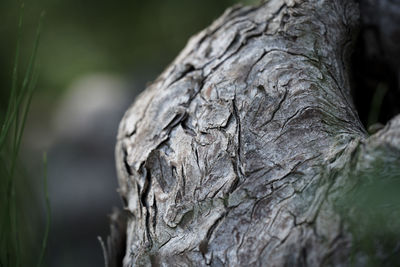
[238,153]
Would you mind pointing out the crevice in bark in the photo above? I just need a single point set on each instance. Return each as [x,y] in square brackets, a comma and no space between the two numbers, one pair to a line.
[126,164]
[371,74]
[144,202]
[375,64]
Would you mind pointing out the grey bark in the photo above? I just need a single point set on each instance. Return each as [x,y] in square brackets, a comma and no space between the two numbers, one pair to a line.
[237,154]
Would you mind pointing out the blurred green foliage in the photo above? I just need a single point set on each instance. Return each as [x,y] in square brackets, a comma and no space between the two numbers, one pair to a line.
[124,37]
[16,200]
[372,212]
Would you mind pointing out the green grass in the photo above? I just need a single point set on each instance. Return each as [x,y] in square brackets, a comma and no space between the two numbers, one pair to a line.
[48,217]
[14,224]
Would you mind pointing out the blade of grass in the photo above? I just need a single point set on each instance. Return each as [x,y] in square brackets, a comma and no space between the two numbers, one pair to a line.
[17,98]
[8,119]
[26,109]
[48,213]
[16,115]
[27,80]
[28,83]
[18,138]
[24,94]
[14,87]
[13,92]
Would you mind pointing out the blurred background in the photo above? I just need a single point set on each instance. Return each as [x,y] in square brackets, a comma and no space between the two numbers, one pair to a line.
[94,57]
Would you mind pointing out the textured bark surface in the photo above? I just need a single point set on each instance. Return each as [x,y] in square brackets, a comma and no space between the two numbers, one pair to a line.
[237,153]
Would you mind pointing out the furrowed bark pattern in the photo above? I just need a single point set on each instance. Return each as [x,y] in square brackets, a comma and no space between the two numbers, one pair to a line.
[235,154]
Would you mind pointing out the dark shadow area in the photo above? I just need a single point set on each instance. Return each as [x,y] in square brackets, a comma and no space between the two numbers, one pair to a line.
[376,62]
[373,78]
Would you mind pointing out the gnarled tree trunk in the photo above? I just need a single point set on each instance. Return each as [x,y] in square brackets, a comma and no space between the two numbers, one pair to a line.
[237,154]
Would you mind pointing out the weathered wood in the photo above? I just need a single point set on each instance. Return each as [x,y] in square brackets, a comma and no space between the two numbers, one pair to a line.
[237,153]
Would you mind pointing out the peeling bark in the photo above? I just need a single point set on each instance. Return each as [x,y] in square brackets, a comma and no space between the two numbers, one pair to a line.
[238,152]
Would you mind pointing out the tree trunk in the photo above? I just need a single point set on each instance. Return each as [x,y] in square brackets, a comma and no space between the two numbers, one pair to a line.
[238,154]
